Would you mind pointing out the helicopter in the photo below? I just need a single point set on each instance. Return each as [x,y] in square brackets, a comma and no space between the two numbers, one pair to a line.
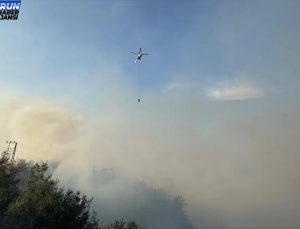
[139,55]
[138,59]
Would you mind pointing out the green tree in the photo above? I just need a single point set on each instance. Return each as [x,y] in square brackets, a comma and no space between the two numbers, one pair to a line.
[9,180]
[44,205]
[31,199]
[122,225]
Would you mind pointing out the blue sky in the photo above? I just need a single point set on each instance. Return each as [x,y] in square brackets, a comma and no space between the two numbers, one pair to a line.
[204,42]
[198,41]
[65,50]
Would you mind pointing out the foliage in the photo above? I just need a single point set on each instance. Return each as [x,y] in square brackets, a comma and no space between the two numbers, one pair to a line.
[9,190]
[31,199]
[122,225]
[44,205]
[179,201]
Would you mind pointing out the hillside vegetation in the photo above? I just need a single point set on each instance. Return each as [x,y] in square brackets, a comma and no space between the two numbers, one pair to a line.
[31,199]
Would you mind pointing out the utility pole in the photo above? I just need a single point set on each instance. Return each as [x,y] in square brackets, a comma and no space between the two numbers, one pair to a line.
[12,147]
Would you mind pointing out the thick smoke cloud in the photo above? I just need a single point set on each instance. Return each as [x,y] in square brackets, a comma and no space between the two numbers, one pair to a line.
[235,164]
[48,132]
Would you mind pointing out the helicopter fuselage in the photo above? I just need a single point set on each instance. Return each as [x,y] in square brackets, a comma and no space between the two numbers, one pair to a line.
[138,58]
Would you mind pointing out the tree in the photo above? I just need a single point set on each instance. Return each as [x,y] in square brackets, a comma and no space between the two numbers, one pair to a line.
[179,201]
[44,205]
[122,225]
[9,180]
[31,199]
